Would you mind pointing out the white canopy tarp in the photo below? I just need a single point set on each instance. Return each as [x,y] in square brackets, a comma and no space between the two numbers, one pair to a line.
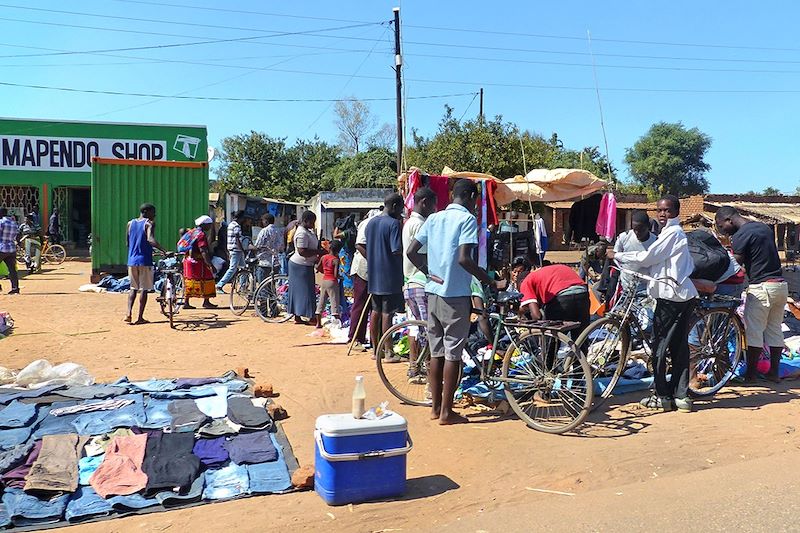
[558,184]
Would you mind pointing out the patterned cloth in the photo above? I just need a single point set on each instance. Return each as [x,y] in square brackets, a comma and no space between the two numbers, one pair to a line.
[198,276]
[234,234]
[345,264]
[417,302]
[8,235]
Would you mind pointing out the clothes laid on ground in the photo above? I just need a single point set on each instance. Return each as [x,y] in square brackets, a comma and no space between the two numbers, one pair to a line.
[249,448]
[121,473]
[56,468]
[169,463]
[50,470]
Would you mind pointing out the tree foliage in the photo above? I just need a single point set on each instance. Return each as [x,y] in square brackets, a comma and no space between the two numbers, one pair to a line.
[496,147]
[669,158]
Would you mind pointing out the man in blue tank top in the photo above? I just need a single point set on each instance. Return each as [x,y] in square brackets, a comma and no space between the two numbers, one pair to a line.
[141,241]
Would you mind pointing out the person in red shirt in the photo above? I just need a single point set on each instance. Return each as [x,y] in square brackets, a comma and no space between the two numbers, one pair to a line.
[329,287]
[556,292]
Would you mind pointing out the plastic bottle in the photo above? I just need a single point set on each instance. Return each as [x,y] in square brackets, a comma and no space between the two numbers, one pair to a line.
[359,398]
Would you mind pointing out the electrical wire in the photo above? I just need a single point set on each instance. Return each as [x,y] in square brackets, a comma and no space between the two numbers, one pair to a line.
[180,45]
[473,30]
[221,98]
[470,105]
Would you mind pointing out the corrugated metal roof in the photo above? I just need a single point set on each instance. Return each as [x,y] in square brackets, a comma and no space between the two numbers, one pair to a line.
[781,213]
[354,204]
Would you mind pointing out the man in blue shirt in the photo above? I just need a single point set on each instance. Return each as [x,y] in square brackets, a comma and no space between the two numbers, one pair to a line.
[451,237]
[385,257]
[8,247]
[141,241]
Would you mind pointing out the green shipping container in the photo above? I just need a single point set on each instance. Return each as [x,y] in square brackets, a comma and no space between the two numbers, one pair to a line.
[179,190]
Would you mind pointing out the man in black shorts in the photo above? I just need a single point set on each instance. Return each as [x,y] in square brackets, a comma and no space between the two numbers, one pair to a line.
[385,257]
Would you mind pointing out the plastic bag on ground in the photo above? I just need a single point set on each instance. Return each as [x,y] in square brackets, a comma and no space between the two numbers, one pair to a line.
[41,373]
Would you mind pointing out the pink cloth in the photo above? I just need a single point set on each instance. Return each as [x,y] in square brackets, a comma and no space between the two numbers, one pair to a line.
[121,473]
[413,186]
[607,218]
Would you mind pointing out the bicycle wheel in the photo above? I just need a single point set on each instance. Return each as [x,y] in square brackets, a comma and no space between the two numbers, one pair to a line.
[406,379]
[272,299]
[606,345]
[549,381]
[716,343]
[163,298]
[179,292]
[242,289]
[55,254]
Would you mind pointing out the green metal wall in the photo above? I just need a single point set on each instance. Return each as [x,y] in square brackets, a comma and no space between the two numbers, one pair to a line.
[178,190]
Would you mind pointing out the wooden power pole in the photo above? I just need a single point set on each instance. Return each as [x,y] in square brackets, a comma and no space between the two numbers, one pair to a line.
[398,64]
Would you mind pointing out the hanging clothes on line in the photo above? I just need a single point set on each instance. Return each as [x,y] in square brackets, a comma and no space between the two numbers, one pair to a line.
[491,214]
[583,219]
[607,217]
[483,231]
[540,238]
[441,186]
[414,183]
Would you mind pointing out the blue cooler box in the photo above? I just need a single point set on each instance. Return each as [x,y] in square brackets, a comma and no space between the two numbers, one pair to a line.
[359,460]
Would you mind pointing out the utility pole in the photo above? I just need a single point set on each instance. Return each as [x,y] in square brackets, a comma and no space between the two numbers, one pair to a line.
[398,64]
[480,113]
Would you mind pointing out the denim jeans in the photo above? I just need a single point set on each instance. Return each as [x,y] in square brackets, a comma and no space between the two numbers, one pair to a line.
[153,385]
[270,477]
[17,414]
[99,422]
[214,406]
[157,414]
[86,503]
[25,509]
[169,498]
[237,260]
[15,456]
[225,483]
[5,520]
[133,501]
[92,392]
[8,394]
[234,385]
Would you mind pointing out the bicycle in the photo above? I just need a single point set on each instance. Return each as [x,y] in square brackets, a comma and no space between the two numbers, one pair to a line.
[52,254]
[610,342]
[243,285]
[171,296]
[272,299]
[546,379]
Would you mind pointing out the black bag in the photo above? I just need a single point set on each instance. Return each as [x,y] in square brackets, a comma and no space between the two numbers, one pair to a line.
[711,259]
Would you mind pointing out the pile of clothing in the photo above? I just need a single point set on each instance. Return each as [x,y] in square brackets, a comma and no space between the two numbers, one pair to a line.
[80,452]
[6,324]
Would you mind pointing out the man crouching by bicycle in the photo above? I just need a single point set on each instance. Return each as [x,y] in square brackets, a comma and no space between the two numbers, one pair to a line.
[671,264]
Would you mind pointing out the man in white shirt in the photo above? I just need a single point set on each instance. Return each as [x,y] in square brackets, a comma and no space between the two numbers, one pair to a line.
[668,259]
[358,271]
[636,239]
[415,280]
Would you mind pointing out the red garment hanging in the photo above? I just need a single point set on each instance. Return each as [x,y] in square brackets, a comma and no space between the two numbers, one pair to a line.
[491,207]
[441,186]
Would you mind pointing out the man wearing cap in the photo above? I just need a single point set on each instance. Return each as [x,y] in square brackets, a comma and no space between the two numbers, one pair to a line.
[198,271]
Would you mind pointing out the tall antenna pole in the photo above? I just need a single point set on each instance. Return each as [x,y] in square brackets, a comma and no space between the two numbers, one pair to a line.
[398,65]
[480,113]
[600,107]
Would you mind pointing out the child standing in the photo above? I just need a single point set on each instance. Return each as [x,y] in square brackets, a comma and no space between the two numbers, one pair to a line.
[329,288]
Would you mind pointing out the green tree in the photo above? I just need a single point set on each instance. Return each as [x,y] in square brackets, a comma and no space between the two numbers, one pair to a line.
[254,163]
[372,168]
[261,165]
[772,191]
[358,127]
[669,159]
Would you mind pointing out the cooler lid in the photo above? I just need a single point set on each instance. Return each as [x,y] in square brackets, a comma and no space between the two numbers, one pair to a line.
[343,425]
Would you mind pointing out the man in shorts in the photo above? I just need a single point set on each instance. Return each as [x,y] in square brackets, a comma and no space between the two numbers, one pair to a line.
[451,237]
[754,247]
[141,241]
[414,291]
[384,253]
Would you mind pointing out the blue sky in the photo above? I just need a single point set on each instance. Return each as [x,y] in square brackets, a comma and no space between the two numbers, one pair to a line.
[532,58]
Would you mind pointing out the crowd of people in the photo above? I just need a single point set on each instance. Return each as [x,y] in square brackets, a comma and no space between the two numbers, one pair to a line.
[28,235]
[426,267]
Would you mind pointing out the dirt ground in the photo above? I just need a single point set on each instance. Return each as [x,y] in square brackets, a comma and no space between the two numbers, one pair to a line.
[623,469]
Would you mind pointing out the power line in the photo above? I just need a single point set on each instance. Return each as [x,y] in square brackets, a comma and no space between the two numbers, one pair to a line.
[179,45]
[474,30]
[222,98]
[468,106]
[345,37]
